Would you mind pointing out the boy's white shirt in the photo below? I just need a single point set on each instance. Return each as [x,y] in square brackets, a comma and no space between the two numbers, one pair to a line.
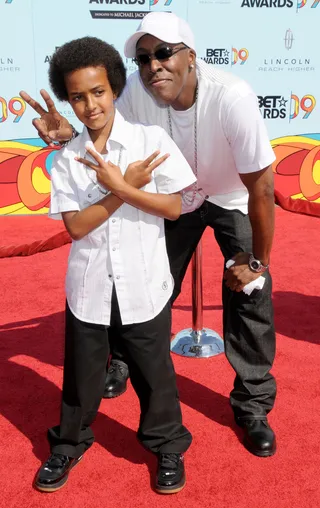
[129,249]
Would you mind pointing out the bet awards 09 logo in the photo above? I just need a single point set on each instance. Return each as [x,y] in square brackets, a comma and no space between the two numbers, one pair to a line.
[299,4]
[275,107]
[125,14]
[222,56]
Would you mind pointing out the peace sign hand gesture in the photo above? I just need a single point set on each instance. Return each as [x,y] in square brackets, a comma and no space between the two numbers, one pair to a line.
[138,174]
[51,126]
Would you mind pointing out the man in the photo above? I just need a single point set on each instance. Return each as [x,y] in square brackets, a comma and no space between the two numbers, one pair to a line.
[214,119]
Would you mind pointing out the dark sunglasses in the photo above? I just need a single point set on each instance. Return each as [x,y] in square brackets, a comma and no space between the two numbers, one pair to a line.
[160,54]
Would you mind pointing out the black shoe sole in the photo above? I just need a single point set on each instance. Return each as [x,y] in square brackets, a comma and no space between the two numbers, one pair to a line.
[110,395]
[59,484]
[172,489]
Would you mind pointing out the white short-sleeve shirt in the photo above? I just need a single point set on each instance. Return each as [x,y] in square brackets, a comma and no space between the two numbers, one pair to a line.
[129,249]
[231,135]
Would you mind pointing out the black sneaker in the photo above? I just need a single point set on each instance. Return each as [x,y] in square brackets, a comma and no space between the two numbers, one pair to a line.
[54,473]
[170,474]
[116,380]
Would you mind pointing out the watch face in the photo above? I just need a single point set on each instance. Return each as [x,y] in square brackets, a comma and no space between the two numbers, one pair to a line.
[255,265]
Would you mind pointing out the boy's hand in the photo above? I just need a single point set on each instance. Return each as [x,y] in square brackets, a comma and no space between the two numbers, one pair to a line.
[51,126]
[138,174]
[108,174]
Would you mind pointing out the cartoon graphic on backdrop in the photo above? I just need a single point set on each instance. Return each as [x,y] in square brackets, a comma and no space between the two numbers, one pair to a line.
[297,173]
[25,175]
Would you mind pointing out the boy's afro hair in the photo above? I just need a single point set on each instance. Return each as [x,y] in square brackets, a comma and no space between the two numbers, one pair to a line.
[81,53]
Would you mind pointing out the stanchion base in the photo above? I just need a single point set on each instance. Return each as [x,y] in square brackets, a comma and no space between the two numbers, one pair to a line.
[202,344]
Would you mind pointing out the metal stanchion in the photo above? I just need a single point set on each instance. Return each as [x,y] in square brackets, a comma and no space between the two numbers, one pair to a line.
[197,341]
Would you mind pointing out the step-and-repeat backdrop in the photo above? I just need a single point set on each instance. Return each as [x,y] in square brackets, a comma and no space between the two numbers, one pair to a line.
[270,43]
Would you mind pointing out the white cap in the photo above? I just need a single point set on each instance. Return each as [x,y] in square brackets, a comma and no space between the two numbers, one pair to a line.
[166,26]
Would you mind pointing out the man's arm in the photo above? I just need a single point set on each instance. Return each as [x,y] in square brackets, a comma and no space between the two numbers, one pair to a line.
[253,156]
[261,211]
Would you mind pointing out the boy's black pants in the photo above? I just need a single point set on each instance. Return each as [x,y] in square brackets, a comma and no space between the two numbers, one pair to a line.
[146,348]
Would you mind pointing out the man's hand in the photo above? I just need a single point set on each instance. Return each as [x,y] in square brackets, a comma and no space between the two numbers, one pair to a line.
[239,274]
[51,126]
[138,174]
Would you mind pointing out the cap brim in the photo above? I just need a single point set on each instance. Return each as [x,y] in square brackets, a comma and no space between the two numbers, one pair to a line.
[131,43]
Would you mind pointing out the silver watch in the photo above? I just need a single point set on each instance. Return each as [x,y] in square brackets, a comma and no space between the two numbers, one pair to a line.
[256,266]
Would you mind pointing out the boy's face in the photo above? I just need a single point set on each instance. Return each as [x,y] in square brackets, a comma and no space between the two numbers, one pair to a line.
[91,97]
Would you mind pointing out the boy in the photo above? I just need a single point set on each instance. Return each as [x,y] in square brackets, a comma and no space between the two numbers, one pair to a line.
[118,281]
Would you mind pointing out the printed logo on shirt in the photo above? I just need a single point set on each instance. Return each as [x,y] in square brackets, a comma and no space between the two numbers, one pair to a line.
[132,13]
[297,4]
[287,59]
[223,56]
[277,107]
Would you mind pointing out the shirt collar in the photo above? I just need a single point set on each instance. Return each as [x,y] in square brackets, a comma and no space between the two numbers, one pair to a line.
[120,132]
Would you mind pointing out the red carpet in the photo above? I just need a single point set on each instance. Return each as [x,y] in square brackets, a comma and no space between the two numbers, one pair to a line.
[116,470]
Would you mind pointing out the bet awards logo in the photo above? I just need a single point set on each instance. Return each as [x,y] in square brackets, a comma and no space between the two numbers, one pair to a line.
[48,57]
[221,56]
[275,107]
[279,3]
[127,14]
[154,2]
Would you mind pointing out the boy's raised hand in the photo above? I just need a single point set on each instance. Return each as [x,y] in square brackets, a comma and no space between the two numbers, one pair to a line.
[108,174]
[51,126]
[138,174]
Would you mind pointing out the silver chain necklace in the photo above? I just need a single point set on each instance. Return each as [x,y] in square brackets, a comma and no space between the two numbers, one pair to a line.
[189,200]
[101,189]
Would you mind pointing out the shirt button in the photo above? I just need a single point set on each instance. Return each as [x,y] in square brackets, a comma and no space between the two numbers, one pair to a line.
[89,195]
[114,248]
[207,197]
[118,277]
[113,220]
[110,276]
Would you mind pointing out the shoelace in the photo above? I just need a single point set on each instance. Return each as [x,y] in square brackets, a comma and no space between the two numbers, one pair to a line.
[56,461]
[114,367]
[169,460]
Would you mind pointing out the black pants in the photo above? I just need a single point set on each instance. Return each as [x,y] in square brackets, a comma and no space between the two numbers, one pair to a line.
[247,320]
[146,348]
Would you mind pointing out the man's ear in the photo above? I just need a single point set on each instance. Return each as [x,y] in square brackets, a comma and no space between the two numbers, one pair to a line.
[192,59]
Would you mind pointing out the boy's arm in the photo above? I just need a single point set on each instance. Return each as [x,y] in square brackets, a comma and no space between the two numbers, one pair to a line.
[172,176]
[65,201]
[80,223]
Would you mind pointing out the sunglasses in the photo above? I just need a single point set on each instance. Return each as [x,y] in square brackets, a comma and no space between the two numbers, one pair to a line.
[160,54]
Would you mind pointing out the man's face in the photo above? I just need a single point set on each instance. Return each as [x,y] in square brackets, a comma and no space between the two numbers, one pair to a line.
[164,79]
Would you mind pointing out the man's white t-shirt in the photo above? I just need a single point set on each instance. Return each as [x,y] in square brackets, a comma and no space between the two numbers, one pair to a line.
[129,249]
[231,136]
